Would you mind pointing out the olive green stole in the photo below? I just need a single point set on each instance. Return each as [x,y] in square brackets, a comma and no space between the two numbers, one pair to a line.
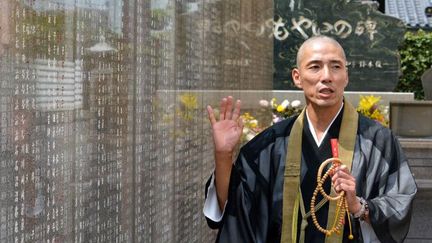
[292,197]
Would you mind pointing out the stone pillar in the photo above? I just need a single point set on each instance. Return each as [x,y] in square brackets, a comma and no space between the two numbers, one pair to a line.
[419,155]
[427,83]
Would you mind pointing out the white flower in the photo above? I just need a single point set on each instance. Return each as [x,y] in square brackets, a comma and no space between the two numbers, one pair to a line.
[285,104]
[295,104]
[249,136]
[264,103]
[276,119]
[245,130]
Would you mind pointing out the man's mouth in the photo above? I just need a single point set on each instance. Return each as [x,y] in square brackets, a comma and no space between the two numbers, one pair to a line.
[326,91]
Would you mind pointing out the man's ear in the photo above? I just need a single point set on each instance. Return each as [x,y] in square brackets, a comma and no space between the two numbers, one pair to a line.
[347,79]
[296,78]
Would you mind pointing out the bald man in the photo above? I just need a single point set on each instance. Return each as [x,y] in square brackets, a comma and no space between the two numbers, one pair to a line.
[266,194]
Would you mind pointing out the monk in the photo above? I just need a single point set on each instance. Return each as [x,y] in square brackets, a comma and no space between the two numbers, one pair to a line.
[264,194]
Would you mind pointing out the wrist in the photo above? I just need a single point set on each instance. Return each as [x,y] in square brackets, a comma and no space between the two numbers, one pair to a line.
[363,212]
[223,158]
[223,165]
[357,208]
[224,154]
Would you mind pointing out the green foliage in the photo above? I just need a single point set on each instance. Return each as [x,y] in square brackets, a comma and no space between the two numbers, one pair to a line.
[416,58]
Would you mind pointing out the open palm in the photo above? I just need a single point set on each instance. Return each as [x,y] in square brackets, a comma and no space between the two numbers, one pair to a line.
[228,130]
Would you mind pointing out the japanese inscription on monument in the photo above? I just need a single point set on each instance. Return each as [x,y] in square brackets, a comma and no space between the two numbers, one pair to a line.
[370,40]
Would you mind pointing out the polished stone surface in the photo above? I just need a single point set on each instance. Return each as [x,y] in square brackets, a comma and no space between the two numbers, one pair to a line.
[88,153]
[421,227]
[370,39]
[419,154]
[411,118]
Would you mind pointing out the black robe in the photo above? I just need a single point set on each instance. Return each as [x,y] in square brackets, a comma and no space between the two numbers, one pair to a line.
[254,209]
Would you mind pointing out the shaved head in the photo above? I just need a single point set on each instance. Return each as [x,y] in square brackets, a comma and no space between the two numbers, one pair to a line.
[313,40]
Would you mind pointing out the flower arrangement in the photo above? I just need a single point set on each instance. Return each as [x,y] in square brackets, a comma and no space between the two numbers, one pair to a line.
[251,127]
[279,112]
[188,105]
[184,114]
[285,109]
[368,106]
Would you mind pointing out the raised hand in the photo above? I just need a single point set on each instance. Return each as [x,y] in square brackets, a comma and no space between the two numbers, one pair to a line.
[228,130]
[226,135]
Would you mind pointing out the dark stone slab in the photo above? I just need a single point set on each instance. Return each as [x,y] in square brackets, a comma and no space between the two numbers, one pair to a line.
[370,40]
[419,154]
[421,227]
[427,83]
[411,118]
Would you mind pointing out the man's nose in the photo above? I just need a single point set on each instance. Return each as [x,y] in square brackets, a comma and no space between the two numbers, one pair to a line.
[326,74]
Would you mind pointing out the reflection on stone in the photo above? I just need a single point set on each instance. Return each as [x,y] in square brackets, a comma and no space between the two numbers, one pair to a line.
[102,46]
[90,149]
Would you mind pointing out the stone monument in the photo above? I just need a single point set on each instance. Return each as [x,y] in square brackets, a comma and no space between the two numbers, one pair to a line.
[370,39]
[427,83]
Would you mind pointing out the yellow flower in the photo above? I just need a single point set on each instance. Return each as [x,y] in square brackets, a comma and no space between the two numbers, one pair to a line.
[189,101]
[368,103]
[246,117]
[280,108]
[251,126]
[368,106]
[253,123]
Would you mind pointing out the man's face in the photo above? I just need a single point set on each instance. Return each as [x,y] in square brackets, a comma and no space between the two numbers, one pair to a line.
[322,73]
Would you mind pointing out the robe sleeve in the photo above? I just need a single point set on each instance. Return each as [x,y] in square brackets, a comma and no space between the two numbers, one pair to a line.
[211,208]
[246,214]
[248,210]
[253,210]
[394,186]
